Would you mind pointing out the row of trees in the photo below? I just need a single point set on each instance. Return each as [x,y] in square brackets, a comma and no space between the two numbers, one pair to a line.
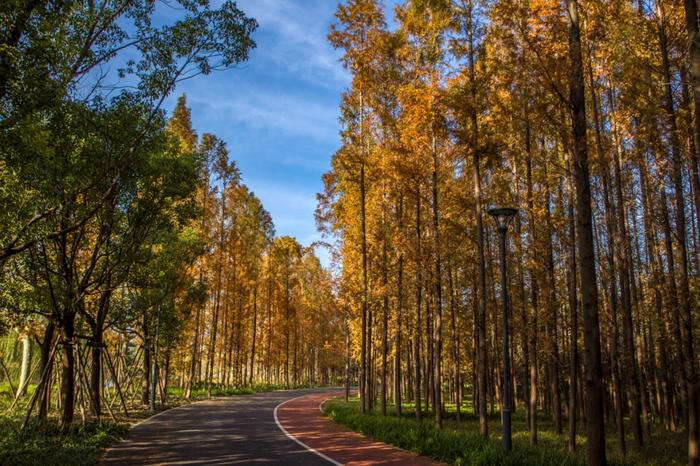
[270,314]
[582,116]
[132,256]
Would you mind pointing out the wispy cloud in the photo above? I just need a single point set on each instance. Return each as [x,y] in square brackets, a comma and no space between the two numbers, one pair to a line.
[298,38]
[259,108]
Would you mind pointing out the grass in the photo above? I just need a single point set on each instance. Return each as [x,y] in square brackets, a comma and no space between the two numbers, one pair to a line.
[200,392]
[44,443]
[461,444]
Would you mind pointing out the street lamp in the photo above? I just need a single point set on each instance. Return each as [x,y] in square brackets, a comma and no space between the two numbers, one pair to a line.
[503,217]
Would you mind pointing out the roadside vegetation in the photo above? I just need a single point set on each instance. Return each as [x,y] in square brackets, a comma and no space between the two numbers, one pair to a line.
[43,442]
[460,443]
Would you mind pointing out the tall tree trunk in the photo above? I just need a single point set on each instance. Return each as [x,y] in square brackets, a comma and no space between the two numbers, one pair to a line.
[573,308]
[553,346]
[44,368]
[399,311]
[67,369]
[481,303]
[146,380]
[385,326]
[595,448]
[286,331]
[193,354]
[417,329]
[270,327]
[613,303]
[674,304]
[522,295]
[533,369]
[455,345]
[347,360]
[254,331]
[437,279]
[97,345]
[96,371]
[677,176]
[365,402]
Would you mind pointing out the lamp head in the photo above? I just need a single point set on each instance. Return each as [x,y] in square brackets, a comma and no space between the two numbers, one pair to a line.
[503,216]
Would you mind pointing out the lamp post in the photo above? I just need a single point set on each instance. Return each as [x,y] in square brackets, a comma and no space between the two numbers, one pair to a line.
[503,217]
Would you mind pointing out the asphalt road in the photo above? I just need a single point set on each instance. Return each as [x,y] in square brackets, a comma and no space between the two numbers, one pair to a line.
[234,430]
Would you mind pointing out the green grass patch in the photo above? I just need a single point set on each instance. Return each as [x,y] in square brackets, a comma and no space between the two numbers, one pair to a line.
[44,443]
[460,443]
[201,391]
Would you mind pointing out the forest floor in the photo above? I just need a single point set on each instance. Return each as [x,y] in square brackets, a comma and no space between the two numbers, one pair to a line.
[460,442]
[44,443]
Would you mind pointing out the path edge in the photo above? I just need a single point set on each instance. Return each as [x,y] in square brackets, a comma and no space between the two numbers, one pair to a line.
[281,427]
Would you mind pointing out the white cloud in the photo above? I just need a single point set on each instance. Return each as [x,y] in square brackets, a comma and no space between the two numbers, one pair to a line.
[259,108]
[297,33]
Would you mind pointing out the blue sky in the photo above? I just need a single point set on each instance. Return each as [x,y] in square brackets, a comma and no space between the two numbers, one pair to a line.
[278,112]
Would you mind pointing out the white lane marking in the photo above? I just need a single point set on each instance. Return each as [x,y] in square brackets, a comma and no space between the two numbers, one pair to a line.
[277,421]
[320,405]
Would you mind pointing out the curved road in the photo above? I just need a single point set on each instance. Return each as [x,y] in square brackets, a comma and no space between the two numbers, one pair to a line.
[232,430]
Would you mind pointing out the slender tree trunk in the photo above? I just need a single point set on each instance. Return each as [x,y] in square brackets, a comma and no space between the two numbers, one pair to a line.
[437,383]
[385,315]
[96,372]
[399,311]
[534,291]
[146,381]
[677,176]
[24,366]
[613,303]
[612,279]
[286,332]
[347,360]
[481,303]
[365,402]
[254,331]
[417,329]
[67,370]
[44,368]
[270,327]
[455,345]
[553,347]
[595,448]
[573,308]
[524,324]
[194,354]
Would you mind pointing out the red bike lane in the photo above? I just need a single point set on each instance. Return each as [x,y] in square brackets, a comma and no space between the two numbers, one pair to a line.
[303,421]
